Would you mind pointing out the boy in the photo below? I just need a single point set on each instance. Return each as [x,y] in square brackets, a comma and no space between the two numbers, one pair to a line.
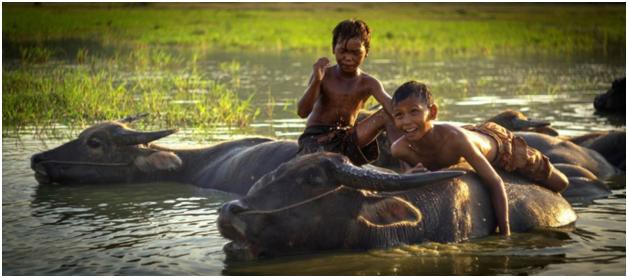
[335,95]
[426,145]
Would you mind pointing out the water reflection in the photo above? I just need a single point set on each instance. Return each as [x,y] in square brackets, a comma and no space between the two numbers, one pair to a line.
[120,201]
[519,255]
[141,229]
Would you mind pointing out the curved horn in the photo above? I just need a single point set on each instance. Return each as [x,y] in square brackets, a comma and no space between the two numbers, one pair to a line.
[132,137]
[361,178]
[130,119]
[520,124]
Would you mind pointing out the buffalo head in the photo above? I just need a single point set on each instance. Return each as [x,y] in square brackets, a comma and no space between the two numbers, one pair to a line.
[103,153]
[614,100]
[317,202]
[517,121]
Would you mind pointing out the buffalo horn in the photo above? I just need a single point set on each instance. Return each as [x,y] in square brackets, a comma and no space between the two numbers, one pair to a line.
[520,124]
[130,119]
[132,137]
[361,178]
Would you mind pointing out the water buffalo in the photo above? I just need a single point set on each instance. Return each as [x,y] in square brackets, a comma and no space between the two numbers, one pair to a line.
[517,121]
[563,151]
[110,152]
[321,202]
[614,100]
[610,144]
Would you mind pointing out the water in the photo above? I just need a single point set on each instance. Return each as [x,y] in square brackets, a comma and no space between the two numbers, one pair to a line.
[170,229]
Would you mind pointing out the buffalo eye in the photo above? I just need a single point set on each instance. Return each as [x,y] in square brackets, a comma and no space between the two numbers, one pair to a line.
[92,143]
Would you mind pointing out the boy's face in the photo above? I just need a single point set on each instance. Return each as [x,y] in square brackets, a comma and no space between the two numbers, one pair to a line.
[413,117]
[350,54]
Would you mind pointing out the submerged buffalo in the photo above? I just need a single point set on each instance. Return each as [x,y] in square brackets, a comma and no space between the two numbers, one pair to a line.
[610,144]
[110,152]
[562,151]
[322,202]
[614,100]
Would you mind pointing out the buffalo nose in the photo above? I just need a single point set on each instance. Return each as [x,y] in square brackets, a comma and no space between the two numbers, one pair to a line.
[233,207]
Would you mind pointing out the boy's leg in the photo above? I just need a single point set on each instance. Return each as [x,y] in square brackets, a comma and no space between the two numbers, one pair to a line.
[368,129]
[536,166]
[557,181]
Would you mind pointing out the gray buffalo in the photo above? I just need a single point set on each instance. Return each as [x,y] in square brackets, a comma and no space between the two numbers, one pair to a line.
[321,202]
[610,144]
[517,121]
[562,151]
[110,152]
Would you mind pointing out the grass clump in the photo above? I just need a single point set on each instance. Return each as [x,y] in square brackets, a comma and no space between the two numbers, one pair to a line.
[81,95]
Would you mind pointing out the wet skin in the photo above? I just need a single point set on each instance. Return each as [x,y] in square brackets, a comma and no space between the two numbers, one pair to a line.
[438,146]
[336,94]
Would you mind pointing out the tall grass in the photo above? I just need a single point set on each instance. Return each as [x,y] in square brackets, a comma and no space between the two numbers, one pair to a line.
[80,95]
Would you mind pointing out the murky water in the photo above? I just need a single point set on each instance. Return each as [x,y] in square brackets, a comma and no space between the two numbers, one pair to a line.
[170,229]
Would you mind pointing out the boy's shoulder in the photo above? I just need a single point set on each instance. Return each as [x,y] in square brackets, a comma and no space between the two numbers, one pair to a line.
[370,80]
[367,77]
[450,134]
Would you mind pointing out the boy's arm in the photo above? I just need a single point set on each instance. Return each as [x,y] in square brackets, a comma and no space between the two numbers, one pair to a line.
[399,151]
[490,177]
[379,93]
[313,90]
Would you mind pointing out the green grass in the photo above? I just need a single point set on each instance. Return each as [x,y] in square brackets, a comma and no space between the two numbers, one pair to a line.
[74,64]
[424,29]
[99,90]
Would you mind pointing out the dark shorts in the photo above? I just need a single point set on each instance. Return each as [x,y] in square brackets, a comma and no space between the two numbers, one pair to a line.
[514,155]
[343,140]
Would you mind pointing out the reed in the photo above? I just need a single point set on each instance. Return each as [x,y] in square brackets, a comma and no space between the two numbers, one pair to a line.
[81,95]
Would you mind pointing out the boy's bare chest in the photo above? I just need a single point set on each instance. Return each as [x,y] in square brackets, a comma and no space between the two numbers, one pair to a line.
[350,91]
[435,158]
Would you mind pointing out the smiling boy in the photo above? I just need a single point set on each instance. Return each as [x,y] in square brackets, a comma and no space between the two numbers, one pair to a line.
[425,145]
[335,95]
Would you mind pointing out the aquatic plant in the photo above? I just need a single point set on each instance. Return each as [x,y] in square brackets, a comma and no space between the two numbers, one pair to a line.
[81,95]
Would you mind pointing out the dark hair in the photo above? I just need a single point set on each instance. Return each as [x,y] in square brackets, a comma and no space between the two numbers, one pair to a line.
[352,28]
[413,88]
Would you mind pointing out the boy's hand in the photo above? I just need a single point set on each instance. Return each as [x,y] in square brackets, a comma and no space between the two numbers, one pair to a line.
[319,68]
[418,168]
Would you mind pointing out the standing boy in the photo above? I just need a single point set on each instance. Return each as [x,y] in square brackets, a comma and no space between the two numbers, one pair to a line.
[427,145]
[335,95]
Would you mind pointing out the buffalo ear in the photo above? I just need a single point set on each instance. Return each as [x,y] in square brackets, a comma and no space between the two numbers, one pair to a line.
[389,211]
[158,161]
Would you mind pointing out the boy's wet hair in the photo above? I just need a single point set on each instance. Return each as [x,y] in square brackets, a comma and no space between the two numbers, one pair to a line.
[413,88]
[352,28]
